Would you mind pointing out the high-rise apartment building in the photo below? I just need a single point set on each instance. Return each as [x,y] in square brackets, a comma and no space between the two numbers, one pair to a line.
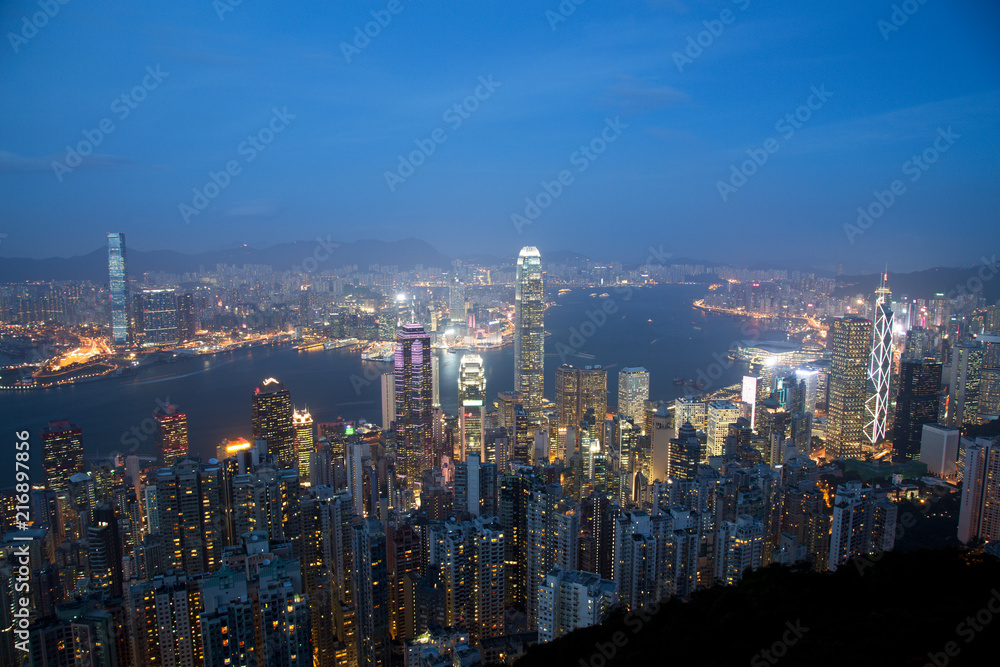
[572,599]
[863,524]
[633,392]
[371,593]
[272,421]
[850,340]
[119,300]
[979,515]
[188,500]
[529,332]
[739,545]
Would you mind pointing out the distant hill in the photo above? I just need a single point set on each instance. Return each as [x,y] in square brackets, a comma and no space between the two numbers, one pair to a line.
[94,265]
[925,284]
[894,612]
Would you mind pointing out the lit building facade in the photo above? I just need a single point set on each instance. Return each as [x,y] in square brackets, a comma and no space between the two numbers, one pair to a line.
[529,332]
[850,341]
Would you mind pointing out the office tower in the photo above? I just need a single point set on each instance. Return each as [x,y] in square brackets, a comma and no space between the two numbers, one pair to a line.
[850,340]
[388,390]
[720,414]
[189,498]
[862,525]
[939,449]
[633,392]
[187,321]
[579,391]
[371,593]
[119,300]
[62,453]
[738,546]
[979,515]
[305,441]
[471,402]
[552,528]
[916,405]
[172,437]
[685,454]
[156,317]
[327,564]
[515,491]
[272,421]
[105,550]
[879,367]
[989,388]
[964,378]
[689,411]
[468,557]
[414,419]
[529,332]
[435,380]
[456,304]
[572,599]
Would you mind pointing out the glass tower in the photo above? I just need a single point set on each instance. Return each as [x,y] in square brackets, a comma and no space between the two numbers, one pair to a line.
[529,332]
[118,296]
[851,340]
[879,367]
[471,398]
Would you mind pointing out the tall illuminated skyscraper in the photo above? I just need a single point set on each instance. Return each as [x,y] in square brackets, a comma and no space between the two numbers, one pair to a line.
[414,389]
[879,367]
[62,454]
[633,392]
[272,421]
[579,390]
[471,399]
[156,317]
[118,293]
[850,340]
[305,440]
[173,435]
[529,332]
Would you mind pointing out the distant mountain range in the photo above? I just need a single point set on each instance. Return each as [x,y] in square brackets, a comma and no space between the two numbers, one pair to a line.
[408,253]
[94,265]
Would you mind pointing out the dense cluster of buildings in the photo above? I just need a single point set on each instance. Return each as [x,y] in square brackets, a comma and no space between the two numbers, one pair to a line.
[433,539]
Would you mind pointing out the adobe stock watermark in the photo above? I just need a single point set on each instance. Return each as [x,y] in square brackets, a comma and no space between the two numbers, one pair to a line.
[901,13]
[454,116]
[254,145]
[696,44]
[372,29]
[634,621]
[779,649]
[786,126]
[31,25]
[970,289]
[581,158]
[562,13]
[133,437]
[598,317]
[322,252]
[223,7]
[968,629]
[122,107]
[914,168]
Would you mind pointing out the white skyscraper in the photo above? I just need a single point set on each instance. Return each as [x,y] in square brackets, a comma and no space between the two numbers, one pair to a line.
[388,384]
[879,367]
[720,415]
[572,599]
[633,392]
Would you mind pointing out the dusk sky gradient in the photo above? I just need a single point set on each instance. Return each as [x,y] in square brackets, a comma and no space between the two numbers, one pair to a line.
[656,184]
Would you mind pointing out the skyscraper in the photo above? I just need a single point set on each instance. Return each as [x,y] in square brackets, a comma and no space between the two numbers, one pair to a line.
[979,514]
[471,400]
[414,388]
[572,599]
[305,441]
[579,390]
[272,421]
[633,392]
[156,317]
[173,433]
[879,367]
[916,405]
[118,292]
[529,332]
[371,590]
[62,453]
[989,388]
[964,380]
[850,340]
[387,384]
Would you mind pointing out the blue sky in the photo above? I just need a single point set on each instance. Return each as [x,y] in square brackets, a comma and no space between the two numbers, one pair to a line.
[656,183]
